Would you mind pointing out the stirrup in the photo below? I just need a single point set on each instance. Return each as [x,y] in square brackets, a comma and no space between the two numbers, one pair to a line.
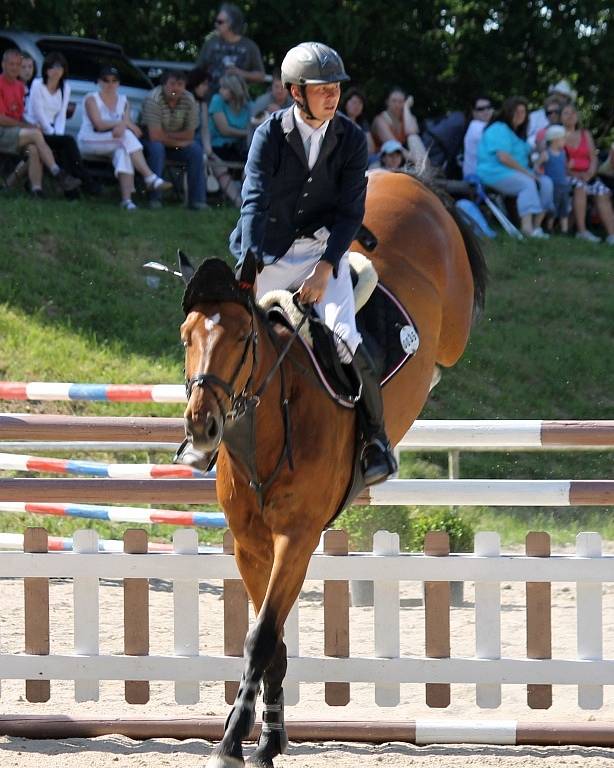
[377,461]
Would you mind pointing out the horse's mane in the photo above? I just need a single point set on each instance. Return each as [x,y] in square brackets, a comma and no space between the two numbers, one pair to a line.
[433,179]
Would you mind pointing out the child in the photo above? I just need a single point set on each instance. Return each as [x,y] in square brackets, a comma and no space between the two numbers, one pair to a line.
[555,166]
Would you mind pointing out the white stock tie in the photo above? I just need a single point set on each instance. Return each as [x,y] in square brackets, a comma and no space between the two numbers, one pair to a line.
[314,150]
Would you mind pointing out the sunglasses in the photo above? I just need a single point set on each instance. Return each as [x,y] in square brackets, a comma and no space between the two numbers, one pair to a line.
[110,80]
[221,21]
[483,107]
[553,111]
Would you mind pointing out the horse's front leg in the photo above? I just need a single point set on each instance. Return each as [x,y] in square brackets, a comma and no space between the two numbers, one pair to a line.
[287,576]
[273,739]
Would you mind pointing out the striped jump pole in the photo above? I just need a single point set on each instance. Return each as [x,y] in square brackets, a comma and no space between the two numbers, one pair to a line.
[527,493]
[115,393]
[19,462]
[118,514]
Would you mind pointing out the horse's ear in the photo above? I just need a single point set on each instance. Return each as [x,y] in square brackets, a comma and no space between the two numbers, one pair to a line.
[246,276]
[185,266]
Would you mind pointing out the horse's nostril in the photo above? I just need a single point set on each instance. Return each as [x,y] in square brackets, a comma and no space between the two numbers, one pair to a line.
[211,429]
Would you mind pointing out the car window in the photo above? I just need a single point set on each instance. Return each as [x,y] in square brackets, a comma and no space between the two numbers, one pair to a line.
[85,62]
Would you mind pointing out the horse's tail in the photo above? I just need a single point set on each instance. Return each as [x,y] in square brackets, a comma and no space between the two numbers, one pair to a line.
[433,180]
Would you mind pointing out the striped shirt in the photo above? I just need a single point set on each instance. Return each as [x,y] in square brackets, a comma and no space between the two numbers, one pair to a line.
[157,112]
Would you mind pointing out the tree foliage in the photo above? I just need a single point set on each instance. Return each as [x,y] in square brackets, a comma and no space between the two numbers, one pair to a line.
[443,53]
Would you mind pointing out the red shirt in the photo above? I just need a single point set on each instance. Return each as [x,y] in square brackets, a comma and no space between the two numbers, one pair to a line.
[12,93]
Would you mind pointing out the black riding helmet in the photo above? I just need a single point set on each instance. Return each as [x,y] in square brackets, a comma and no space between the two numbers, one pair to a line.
[311,64]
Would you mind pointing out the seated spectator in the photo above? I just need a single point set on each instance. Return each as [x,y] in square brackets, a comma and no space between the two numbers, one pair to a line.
[392,155]
[47,105]
[27,73]
[503,164]
[108,131]
[170,116]
[560,94]
[397,122]
[352,105]
[555,166]
[552,109]
[582,167]
[227,52]
[17,135]
[277,97]
[229,118]
[481,114]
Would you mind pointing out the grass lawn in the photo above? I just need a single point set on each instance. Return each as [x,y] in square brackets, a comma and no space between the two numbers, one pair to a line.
[75,306]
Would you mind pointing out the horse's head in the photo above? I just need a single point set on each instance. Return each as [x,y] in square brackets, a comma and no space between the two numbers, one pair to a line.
[220,336]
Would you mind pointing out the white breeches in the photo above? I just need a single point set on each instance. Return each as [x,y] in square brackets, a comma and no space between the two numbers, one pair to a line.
[118,149]
[336,309]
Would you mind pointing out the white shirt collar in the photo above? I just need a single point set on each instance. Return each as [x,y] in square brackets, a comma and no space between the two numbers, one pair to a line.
[306,131]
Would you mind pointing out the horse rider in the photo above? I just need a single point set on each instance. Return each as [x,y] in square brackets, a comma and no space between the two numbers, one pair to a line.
[303,203]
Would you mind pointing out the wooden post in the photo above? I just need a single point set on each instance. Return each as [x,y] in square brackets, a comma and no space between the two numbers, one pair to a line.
[136,616]
[336,619]
[437,618]
[539,620]
[36,610]
[236,618]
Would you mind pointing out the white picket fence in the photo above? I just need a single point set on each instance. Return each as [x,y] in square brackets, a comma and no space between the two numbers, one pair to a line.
[487,567]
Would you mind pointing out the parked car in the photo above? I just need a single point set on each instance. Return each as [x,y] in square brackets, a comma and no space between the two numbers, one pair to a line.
[85,58]
[153,68]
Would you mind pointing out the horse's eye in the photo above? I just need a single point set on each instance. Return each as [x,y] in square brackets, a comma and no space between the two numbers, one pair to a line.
[243,339]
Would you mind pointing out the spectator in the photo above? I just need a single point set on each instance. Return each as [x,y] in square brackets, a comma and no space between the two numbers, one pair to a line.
[480,117]
[170,116]
[552,110]
[392,155]
[17,135]
[352,105]
[582,167]
[277,97]
[229,118]
[560,93]
[397,122]
[555,166]
[107,130]
[27,73]
[227,52]
[47,105]
[503,164]
[198,85]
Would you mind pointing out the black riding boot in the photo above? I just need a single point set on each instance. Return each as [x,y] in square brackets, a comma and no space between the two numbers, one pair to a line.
[377,458]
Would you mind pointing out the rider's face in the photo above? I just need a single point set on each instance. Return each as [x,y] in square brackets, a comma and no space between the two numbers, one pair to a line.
[324,100]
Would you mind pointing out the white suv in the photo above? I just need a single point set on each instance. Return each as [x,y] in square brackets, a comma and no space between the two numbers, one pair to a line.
[85,59]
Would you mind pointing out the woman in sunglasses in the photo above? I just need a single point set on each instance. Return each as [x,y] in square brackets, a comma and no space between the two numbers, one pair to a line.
[228,51]
[108,130]
[481,113]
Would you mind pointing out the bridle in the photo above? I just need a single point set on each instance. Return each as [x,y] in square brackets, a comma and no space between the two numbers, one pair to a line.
[244,403]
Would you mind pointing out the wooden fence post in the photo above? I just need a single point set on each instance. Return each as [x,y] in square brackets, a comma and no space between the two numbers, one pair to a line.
[437,618]
[236,618]
[36,610]
[539,620]
[136,616]
[336,619]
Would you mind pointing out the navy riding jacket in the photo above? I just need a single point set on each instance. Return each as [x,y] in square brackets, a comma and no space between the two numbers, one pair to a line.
[284,200]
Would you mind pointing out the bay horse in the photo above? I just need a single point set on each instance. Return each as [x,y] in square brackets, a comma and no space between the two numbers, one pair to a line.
[282,477]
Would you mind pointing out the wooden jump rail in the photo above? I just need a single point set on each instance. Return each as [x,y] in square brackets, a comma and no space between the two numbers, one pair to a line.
[457,434]
[338,668]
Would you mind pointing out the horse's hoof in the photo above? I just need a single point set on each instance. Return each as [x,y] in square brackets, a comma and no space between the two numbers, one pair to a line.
[256,761]
[224,761]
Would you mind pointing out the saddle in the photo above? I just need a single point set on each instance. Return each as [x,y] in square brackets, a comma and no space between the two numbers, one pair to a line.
[386,328]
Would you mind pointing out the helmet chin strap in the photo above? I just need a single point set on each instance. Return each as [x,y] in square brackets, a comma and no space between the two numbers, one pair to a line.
[304,106]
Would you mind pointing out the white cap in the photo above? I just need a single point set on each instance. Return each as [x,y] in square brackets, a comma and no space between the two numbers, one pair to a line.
[555,132]
[563,88]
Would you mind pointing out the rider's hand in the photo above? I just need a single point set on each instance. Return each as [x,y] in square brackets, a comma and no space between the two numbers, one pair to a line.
[312,290]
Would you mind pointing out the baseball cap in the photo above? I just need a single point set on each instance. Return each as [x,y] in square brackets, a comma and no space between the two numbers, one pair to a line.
[390,146]
[555,132]
[563,88]
[107,70]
